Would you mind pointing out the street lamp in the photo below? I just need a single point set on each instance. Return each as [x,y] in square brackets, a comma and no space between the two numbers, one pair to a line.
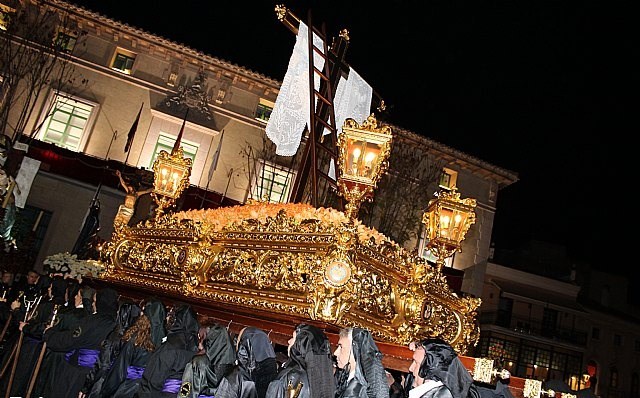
[363,153]
[170,177]
[447,221]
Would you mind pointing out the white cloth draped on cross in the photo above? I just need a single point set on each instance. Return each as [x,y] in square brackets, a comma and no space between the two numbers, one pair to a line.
[291,111]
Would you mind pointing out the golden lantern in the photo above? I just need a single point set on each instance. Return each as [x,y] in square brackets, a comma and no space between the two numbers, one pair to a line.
[447,220]
[362,160]
[171,174]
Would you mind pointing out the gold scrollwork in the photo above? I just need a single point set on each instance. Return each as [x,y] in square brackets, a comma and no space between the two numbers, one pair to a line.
[310,263]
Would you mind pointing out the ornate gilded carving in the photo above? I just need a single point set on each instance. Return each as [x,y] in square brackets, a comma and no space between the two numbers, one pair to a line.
[297,260]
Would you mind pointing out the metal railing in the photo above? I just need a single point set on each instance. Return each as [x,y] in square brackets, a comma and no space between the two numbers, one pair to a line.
[533,327]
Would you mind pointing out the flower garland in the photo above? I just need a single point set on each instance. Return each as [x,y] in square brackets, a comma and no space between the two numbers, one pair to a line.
[69,264]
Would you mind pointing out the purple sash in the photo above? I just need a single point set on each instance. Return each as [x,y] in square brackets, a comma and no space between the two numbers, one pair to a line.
[134,372]
[172,386]
[205,396]
[32,340]
[67,356]
[86,357]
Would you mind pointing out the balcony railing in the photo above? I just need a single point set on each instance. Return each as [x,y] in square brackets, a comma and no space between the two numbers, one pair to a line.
[533,327]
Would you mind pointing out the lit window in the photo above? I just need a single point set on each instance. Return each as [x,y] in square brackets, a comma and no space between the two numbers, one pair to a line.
[273,183]
[165,142]
[66,125]
[66,41]
[263,112]
[173,77]
[221,94]
[5,16]
[123,61]
[448,178]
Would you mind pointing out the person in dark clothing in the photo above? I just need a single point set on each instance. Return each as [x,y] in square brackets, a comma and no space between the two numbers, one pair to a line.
[5,305]
[128,312]
[24,297]
[162,376]
[123,379]
[203,373]
[157,314]
[407,383]
[68,318]
[360,372]
[309,369]
[32,330]
[88,298]
[256,366]
[82,345]
[438,372]
[5,286]
[395,388]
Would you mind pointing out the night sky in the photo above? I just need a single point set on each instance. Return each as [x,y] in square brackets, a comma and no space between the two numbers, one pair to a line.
[541,88]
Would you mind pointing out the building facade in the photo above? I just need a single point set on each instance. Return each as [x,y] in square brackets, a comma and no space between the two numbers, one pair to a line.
[120,74]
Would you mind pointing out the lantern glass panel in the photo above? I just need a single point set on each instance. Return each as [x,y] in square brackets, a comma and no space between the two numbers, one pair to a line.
[168,179]
[446,222]
[361,158]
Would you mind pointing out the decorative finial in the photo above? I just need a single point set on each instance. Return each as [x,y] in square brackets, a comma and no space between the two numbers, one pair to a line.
[281,11]
[344,33]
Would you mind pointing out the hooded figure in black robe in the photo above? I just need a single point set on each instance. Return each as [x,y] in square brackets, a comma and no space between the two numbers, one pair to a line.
[162,376]
[255,368]
[368,378]
[309,369]
[82,345]
[441,374]
[33,331]
[156,311]
[123,379]
[68,318]
[205,371]
[128,312]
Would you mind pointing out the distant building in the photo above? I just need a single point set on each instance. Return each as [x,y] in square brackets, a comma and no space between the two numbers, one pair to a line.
[583,332]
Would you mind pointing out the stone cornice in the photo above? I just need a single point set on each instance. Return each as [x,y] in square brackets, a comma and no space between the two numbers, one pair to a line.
[502,176]
[161,41]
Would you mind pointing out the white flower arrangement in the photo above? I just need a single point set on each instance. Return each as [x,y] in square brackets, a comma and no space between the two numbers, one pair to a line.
[67,263]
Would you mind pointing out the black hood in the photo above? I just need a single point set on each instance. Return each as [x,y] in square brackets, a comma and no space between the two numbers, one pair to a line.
[73,286]
[441,363]
[185,322]
[155,310]
[254,346]
[369,363]
[309,340]
[219,346]
[127,315]
[311,352]
[58,290]
[107,302]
